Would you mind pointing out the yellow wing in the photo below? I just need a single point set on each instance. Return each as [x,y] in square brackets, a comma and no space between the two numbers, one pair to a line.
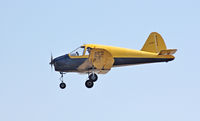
[101,59]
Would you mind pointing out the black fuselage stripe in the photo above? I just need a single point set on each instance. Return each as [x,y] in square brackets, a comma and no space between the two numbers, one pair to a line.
[126,61]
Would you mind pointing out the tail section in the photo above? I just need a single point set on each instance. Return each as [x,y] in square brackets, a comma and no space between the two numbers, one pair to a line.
[154,43]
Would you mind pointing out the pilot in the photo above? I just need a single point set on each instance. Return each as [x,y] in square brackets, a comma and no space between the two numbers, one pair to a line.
[89,49]
[77,53]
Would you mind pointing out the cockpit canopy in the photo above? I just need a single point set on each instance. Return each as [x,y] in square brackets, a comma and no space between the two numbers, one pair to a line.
[81,51]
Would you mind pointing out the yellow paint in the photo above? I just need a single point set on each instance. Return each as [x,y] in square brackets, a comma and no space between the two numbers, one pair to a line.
[118,52]
[151,49]
[154,43]
[83,56]
[154,47]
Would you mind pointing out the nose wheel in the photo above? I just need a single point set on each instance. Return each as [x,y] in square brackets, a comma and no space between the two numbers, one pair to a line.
[62,84]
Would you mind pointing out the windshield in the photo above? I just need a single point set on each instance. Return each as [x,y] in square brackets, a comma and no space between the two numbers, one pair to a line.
[78,52]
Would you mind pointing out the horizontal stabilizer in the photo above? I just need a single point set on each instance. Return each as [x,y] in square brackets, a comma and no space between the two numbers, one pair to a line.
[168,52]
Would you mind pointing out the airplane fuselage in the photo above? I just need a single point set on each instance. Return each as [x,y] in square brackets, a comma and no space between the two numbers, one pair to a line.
[122,57]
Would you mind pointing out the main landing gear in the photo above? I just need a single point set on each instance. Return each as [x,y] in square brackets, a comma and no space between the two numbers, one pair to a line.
[62,84]
[92,78]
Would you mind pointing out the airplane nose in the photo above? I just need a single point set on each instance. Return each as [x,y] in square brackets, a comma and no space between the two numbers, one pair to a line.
[59,62]
[55,63]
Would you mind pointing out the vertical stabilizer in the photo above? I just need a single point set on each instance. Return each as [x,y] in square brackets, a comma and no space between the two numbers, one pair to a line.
[154,43]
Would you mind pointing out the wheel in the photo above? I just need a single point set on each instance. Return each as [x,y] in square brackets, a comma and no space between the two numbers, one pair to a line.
[89,84]
[93,77]
[62,85]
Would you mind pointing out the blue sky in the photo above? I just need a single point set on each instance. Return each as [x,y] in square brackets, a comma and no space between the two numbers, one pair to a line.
[30,30]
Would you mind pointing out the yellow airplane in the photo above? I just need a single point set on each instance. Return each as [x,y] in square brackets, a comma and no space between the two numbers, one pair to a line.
[94,59]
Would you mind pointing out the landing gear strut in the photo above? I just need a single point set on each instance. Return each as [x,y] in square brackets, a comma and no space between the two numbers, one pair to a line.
[62,84]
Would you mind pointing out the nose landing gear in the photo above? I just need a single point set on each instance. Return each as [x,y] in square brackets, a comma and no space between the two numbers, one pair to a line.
[62,84]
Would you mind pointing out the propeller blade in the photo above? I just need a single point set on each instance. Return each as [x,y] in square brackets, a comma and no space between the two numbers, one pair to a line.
[51,62]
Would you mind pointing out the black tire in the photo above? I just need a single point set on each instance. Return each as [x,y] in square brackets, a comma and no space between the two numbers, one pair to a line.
[89,84]
[62,85]
[93,77]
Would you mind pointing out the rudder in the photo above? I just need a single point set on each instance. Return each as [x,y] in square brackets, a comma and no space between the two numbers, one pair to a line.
[154,43]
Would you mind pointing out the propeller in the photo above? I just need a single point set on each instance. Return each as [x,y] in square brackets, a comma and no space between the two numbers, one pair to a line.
[51,62]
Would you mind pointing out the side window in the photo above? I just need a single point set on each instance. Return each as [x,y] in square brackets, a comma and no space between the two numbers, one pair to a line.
[87,52]
[78,52]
